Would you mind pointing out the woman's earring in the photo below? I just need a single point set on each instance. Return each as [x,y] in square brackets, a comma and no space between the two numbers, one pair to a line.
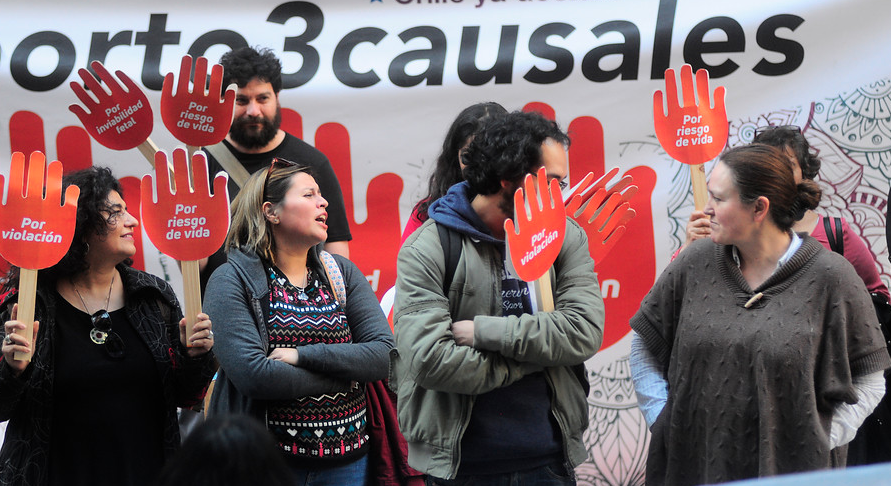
[88,248]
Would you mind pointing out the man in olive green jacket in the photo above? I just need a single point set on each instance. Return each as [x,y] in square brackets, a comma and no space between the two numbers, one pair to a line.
[488,387]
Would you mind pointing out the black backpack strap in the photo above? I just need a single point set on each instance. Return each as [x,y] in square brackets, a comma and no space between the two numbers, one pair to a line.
[451,250]
[834,235]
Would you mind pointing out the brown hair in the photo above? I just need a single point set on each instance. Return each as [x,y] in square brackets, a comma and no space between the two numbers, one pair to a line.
[761,170]
[249,230]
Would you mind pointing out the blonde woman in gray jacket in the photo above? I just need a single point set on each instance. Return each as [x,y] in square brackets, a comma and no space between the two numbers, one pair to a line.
[290,352]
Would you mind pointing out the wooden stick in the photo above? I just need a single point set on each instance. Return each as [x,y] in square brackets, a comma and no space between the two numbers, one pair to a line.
[27,297]
[192,291]
[700,190]
[544,292]
[190,150]
[148,149]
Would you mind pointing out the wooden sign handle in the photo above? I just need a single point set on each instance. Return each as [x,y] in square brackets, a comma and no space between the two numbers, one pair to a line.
[544,292]
[27,297]
[148,150]
[192,291]
[700,190]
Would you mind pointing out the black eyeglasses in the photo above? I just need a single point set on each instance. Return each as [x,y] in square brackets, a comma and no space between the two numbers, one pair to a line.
[760,130]
[102,334]
[276,162]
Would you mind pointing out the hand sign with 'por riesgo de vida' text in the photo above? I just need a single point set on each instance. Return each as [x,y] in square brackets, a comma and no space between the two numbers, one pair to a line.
[692,132]
[186,222]
[197,117]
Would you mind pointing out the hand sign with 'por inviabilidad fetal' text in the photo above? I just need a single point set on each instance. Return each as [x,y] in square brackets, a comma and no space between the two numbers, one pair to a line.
[118,118]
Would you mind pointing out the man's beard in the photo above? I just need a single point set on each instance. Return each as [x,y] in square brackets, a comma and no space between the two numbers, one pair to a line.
[251,138]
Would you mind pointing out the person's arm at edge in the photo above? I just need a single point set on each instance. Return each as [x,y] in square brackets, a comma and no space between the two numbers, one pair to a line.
[650,384]
[847,417]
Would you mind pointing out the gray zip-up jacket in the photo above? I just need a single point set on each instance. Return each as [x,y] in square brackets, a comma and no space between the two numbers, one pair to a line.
[437,380]
[237,301]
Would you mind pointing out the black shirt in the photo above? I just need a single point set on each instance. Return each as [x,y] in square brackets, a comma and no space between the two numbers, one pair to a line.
[108,414]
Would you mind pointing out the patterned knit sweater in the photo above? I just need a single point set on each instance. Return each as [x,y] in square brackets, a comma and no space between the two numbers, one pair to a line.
[330,427]
[752,390]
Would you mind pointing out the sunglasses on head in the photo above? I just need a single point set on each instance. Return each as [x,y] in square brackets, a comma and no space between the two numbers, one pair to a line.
[767,128]
[276,162]
[102,334]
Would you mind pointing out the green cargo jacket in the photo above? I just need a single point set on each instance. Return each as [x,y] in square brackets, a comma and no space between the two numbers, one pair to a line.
[437,381]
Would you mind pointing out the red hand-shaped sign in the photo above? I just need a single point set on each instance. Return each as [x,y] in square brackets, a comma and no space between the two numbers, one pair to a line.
[118,119]
[692,133]
[537,238]
[602,211]
[628,272]
[196,117]
[187,222]
[36,230]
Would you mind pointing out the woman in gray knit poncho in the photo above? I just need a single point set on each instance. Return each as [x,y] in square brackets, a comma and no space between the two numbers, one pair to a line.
[757,351]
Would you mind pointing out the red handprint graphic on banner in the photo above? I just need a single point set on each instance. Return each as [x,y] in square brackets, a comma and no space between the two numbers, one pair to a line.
[602,211]
[197,117]
[628,272]
[72,143]
[375,241]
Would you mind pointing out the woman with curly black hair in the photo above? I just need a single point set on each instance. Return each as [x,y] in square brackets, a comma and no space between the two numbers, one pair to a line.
[97,402]
[447,171]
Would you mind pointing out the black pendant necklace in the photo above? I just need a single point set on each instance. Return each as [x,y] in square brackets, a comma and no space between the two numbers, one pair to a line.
[101,320]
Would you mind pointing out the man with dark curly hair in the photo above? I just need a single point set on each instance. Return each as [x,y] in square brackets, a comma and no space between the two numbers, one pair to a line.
[491,389]
[256,137]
